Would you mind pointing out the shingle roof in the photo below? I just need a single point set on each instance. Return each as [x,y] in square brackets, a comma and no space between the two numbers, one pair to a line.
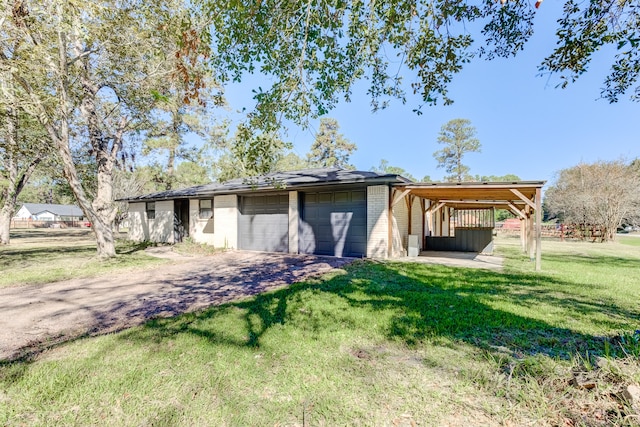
[59,210]
[274,181]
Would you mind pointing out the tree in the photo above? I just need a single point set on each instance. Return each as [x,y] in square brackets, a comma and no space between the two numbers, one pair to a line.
[458,136]
[315,52]
[23,146]
[330,149]
[385,167]
[246,154]
[176,117]
[497,178]
[88,72]
[601,194]
[290,162]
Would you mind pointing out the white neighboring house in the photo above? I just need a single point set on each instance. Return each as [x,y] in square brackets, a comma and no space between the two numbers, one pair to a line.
[49,212]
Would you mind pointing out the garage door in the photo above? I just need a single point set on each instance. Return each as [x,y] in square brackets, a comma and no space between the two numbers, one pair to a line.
[334,223]
[264,223]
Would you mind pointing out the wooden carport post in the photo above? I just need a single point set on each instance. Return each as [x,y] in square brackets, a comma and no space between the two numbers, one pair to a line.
[530,235]
[523,233]
[538,229]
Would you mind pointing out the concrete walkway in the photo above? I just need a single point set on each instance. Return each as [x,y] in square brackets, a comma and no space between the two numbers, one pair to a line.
[34,317]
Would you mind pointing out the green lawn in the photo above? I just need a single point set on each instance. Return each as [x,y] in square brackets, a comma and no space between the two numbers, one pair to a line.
[37,256]
[375,344]
[629,240]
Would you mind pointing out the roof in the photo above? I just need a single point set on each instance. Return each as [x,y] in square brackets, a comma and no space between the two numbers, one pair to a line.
[275,181]
[58,210]
[466,195]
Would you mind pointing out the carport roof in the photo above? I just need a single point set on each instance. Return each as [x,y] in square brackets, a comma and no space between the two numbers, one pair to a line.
[275,181]
[472,195]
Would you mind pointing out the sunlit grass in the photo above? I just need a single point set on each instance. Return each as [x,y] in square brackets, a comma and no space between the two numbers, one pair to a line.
[629,240]
[379,343]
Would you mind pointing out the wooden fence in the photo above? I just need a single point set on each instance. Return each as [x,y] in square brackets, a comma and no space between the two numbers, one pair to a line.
[30,223]
[560,231]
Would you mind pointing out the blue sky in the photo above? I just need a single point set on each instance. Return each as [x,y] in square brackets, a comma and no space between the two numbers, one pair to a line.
[525,124]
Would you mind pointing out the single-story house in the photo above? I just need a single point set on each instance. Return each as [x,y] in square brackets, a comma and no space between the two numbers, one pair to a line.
[332,212]
[49,212]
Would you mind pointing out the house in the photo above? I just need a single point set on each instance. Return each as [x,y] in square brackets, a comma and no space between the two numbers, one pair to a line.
[49,212]
[329,212]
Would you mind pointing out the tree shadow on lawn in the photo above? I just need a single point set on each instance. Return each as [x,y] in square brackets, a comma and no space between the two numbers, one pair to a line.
[419,303]
[619,262]
[15,255]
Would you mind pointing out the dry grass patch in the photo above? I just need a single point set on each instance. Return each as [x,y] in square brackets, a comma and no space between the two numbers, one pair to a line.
[37,256]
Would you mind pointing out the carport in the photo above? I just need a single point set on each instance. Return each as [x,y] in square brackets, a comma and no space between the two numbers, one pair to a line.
[442,204]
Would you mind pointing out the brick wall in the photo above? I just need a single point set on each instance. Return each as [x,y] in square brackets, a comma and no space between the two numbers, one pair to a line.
[138,224]
[416,221]
[293,222]
[377,221]
[200,230]
[225,215]
[161,227]
[400,229]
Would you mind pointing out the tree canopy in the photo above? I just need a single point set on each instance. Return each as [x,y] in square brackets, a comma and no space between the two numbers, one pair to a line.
[314,52]
[385,167]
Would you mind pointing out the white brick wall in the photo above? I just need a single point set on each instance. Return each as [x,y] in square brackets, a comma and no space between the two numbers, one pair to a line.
[225,221]
[161,227]
[377,221]
[293,222]
[400,229]
[197,226]
[138,224]
[416,221]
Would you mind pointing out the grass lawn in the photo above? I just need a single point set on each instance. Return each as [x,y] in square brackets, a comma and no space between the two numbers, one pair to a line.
[38,256]
[629,240]
[379,343]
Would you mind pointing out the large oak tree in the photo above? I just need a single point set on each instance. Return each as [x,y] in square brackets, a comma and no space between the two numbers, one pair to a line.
[90,73]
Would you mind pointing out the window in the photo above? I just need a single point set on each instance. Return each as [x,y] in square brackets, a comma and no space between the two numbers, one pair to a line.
[151,210]
[206,209]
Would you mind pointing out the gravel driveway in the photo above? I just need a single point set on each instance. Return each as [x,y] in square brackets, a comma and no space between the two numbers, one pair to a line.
[34,317]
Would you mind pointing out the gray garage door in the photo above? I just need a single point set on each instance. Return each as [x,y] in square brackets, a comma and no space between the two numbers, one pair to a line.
[334,223]
[264,223]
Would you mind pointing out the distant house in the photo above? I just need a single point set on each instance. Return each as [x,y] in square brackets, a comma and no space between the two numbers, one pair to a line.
[49,212]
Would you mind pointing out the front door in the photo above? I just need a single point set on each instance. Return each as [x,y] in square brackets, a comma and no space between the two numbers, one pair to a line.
[180,220]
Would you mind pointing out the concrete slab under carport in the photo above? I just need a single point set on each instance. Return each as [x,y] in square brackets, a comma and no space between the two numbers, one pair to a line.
[457,259]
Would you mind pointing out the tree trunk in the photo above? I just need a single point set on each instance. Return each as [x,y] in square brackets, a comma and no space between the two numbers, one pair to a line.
[18,170]
[5,222]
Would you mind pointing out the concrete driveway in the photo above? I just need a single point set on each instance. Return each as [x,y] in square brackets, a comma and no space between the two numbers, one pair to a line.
[34,317]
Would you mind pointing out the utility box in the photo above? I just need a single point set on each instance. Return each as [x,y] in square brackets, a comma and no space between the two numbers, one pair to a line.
[413,245]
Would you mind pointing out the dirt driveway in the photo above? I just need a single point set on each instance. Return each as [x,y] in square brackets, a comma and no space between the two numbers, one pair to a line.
[34,317]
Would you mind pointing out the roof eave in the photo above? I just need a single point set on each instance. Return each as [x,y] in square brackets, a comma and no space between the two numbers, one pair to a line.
[247,188]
